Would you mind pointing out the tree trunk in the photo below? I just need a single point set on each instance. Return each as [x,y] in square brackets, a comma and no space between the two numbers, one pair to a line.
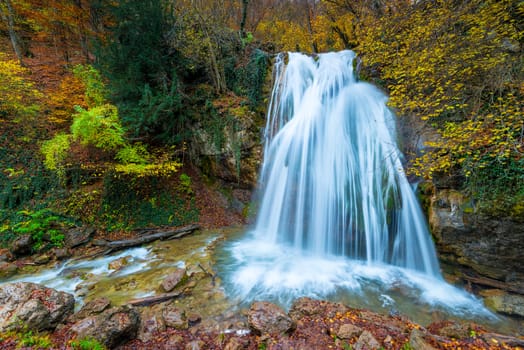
[8,16]
[243,20]
[133,242]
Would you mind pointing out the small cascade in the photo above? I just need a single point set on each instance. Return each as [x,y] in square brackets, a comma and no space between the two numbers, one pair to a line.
[332,179]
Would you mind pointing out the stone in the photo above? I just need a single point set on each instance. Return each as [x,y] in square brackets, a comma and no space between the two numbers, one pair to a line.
[61,253]
[119,263]
[366,341]
[175,318]
[111,328]
[453,329]
[264,317]
[23,245]
[42,259]
[305,307]
[348,331]
[151,322]
[490,247]
[91,308]
[77,236]
[5,255]
[194,319]
[417,341]
[7,269]
[501,301]
[174,279]
[34,306]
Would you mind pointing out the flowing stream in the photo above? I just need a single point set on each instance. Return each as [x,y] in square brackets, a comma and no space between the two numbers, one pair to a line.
[337,216]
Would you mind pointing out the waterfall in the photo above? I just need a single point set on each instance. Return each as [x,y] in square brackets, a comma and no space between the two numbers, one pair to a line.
[332,180]
[337,217]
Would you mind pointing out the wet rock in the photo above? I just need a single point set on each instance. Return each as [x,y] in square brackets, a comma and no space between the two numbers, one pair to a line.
[417,341]
[23,245]
[111,328]
[193,319]
[500,301]
[264,317]
[35,306]
[151,322]
[91,308]
[174,279]
[42,259]
[452,329]
[119,263]
[61,253]
[77,236]
[5,255]
[305,307]
[492,247]
[366,341]
[348,331]
[7,269]
[175,318]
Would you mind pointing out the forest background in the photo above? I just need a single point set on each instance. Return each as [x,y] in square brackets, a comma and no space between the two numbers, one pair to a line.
[100,100]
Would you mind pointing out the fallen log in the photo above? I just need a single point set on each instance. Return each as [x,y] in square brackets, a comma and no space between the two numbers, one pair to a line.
[133,242]
[154,299]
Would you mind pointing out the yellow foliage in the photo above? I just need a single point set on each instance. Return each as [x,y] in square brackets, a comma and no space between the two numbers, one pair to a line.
[18,96]
[459,68]
[62,101]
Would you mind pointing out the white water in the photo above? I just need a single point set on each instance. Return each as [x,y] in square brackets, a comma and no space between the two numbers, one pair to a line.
[337,215]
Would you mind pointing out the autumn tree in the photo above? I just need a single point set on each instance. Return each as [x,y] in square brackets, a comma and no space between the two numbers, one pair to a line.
[458,67]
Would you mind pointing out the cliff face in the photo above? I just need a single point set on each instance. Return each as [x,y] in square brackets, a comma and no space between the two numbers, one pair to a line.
[485,246]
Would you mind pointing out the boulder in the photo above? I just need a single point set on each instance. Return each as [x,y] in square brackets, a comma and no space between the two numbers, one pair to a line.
[7,269]
[348,331]
[417,341]
[61,253]
[268,318]
[111,328]
[366,341]
[501,301]
[151,322]
[33,306]
[77,236]
[175,317]
[91,308]
[23,245]
[42,259]
[305,307]
[5,255]
[174,279]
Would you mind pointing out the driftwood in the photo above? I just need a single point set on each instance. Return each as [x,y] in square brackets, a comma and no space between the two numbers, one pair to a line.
[167,234]
[154,299]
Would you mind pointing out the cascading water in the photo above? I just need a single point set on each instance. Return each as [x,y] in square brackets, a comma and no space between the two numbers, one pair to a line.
[332,179]
[337,213]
